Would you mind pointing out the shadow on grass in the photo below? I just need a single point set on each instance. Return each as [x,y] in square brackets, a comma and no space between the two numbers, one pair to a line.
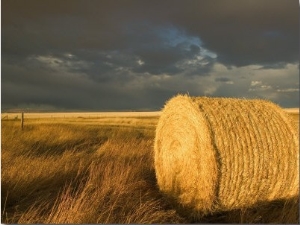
[18,198]
[283,211]
[44,148]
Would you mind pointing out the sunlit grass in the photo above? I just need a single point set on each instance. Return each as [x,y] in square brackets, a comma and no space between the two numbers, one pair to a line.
[96,170]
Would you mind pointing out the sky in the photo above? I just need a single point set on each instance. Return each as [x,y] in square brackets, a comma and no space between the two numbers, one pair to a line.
[110,55]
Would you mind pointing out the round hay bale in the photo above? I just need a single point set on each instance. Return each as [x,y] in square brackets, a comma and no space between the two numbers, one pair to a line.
[219,154]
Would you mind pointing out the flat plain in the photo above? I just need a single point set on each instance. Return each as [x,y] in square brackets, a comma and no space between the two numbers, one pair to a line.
[98,168]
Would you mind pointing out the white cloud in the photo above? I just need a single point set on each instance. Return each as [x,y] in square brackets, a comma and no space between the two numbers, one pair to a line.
[50,61]
[265,87]
[288,90]
[140,62]
[69,55]
[61,64]
[255,83]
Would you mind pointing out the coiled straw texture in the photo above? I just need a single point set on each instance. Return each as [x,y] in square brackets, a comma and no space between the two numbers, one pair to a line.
[218,154]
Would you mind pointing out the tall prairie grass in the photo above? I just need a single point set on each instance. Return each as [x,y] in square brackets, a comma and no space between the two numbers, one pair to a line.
[91,171]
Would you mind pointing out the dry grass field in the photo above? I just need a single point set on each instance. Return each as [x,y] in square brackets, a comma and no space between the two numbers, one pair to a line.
[92,168]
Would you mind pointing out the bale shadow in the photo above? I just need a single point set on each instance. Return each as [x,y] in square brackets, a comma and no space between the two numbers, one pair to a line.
[282,211]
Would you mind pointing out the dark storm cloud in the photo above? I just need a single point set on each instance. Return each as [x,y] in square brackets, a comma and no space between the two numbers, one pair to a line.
[63,90]
[240,32]
[278,65]
[86,54]
[222,79]
[160,59]
[245,32]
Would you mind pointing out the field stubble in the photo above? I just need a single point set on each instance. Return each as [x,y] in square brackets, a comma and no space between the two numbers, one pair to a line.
[98,170]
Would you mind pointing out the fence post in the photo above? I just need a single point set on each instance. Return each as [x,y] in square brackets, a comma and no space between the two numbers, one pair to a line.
[22,120]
